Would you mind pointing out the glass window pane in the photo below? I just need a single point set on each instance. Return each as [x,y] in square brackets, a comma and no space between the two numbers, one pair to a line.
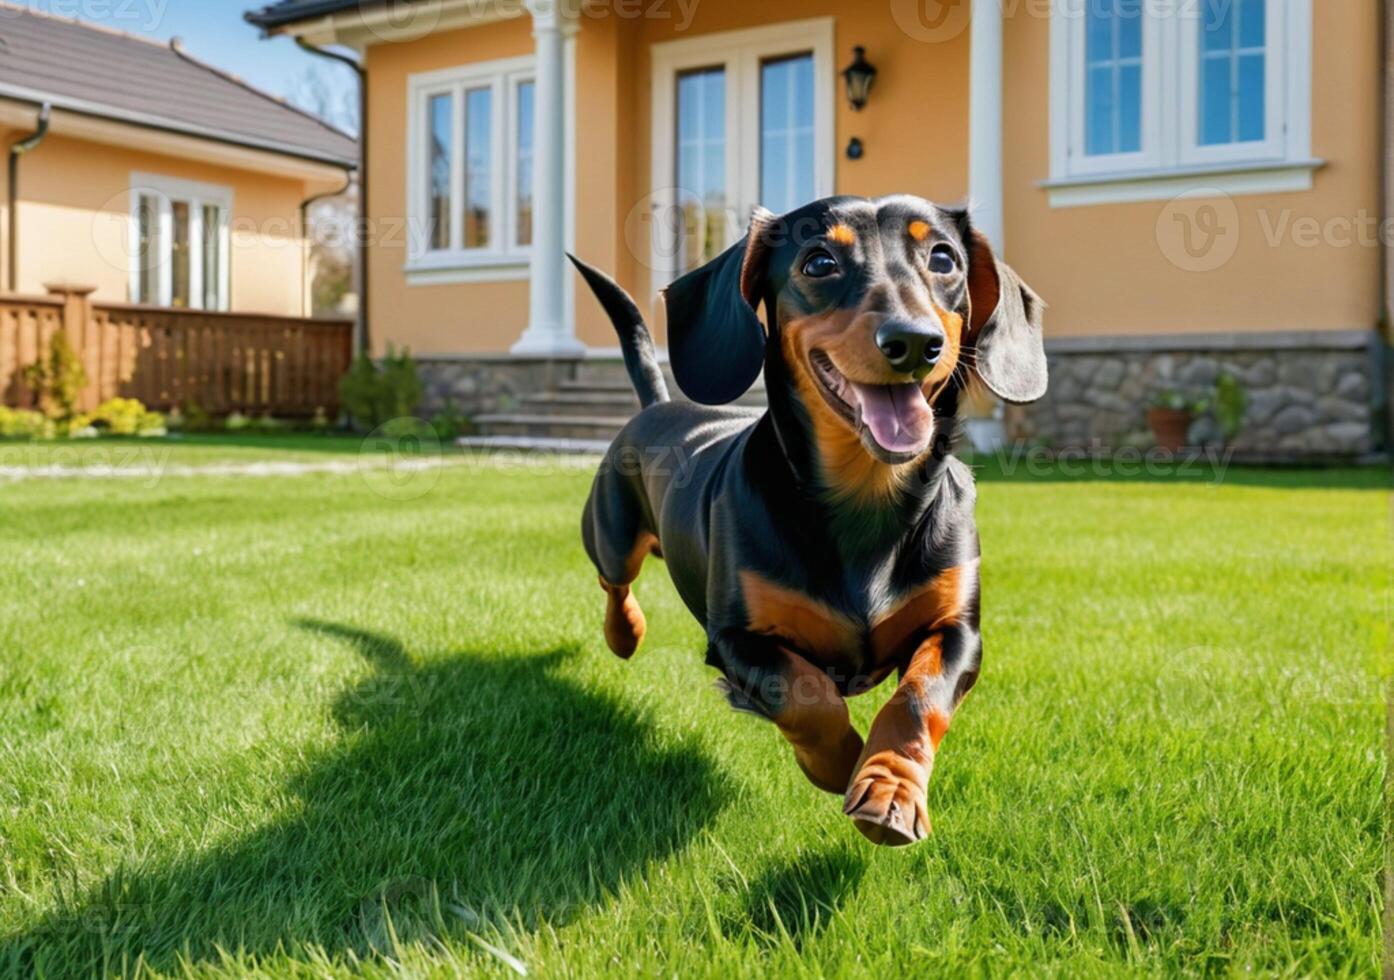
[1130,28]
[1113,77]
[441,143]
[1098,31]
[1129,109]
[179,253]
[212,257]
[1215,101]
[786,118]
[1232,98]
[701,166]
[1252,25]
[1251,109]
[523,214]
[147,250]
[478,156]
[1217,25]
[1098,94]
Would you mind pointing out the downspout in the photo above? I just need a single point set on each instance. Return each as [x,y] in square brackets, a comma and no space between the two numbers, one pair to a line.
[305,205]
[360,245]
[17,149]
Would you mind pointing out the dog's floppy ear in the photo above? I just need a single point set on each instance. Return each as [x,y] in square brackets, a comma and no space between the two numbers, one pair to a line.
[1005,326]
[715,341]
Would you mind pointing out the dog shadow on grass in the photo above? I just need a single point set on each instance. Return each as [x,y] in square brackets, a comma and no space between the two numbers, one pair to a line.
[474,795]
[796,900]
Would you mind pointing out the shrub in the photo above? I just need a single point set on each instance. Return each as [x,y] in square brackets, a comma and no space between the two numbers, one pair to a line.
[450,423]
[196,419]
[125,417]
[57,379]
[372,393]
[23,423]
[236,422]
[1231,402]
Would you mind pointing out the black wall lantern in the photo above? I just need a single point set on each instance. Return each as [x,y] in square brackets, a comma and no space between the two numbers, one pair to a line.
[859,75]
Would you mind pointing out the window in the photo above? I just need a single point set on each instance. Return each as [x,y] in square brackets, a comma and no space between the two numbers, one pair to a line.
[1232,47]
[740,118]
[522,191]
[442,143]
[1153,90]
[786,132]
[701,170]
[179,247]
[470,161]
[1113,77]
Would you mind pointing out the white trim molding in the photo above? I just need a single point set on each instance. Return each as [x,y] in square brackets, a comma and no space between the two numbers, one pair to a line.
[1163,185]
[740,53]
[1170,159]
[985,121]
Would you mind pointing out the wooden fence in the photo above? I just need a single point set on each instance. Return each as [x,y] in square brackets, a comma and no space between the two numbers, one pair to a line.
[221,362]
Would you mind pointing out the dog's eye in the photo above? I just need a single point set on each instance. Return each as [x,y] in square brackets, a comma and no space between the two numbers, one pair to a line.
[819,265]
[942,259]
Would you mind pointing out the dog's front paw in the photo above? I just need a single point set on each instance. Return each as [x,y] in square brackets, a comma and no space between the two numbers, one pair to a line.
[887,801]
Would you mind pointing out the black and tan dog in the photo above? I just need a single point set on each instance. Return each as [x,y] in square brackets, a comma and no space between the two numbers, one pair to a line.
[829,540]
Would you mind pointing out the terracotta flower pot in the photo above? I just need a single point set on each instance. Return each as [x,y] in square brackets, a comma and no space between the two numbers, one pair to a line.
[1169,427]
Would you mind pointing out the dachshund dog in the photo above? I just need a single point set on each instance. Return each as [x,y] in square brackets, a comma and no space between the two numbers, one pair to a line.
[829,540]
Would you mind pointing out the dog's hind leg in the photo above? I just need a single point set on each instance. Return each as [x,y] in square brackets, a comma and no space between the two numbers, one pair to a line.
[618,539]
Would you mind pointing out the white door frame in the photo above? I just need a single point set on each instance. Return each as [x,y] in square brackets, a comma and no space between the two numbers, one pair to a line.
[740,54]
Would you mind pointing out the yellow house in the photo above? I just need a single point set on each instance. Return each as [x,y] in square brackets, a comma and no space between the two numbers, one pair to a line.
[136,169]
[1195,188]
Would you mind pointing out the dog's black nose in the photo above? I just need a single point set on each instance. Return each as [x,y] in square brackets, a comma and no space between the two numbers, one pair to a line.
[910,345]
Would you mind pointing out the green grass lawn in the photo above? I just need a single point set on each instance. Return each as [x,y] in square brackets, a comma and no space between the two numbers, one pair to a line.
[305,726]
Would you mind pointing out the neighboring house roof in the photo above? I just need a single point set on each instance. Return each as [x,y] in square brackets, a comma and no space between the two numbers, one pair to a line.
[101,72]
[284,12]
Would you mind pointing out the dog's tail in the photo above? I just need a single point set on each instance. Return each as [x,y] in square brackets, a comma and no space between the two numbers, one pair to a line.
[640,357]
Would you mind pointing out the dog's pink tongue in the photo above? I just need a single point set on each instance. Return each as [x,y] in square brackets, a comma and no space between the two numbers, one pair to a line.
[897,415]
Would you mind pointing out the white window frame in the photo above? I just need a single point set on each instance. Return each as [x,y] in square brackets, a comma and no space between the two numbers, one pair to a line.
[740,54]
[165,191]
[1172,160]
[502,257]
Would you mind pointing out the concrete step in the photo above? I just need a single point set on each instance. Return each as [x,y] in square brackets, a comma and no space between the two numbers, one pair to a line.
[581,402]
[609,370]
[755,396]
[535,444]
[603,427]
[572,384]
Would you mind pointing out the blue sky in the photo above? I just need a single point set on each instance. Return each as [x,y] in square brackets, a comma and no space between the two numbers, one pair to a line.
[213,31]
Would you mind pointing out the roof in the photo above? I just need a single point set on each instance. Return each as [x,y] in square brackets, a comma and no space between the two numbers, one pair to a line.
[102,72]
[283,12]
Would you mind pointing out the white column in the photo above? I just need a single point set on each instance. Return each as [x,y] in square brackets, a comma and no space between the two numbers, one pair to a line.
[985,120]
[548,331]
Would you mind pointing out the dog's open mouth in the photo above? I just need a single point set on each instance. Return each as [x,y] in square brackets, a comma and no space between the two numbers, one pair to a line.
[895,422]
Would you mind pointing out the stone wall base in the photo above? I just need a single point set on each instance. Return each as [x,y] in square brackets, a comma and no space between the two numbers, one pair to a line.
[487,384]
[1311,397]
